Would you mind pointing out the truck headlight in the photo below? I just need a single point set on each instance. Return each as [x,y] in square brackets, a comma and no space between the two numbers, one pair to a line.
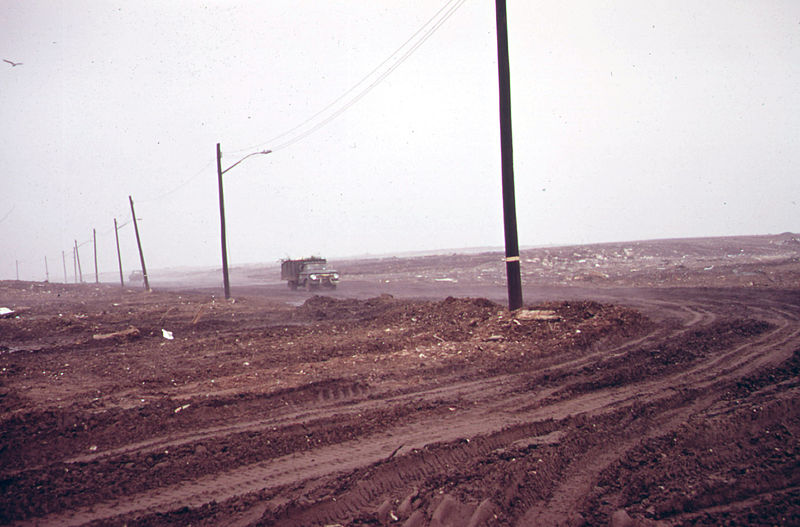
[313,276]
[335,276]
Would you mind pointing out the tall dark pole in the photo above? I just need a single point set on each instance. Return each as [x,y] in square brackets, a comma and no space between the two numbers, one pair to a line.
[94,241]
[225,280]
[119,256]
[139,244]
[78,259]
[74,264]
[17,262]
[46,270]
[507,161]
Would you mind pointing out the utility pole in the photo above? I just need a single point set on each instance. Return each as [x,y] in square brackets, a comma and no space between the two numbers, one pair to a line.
[78,259]
[74,264]
[17,262]
[139,244]
[94,241]
[119,256]
[64,261]
[225,279]
[46,270]
[507,160]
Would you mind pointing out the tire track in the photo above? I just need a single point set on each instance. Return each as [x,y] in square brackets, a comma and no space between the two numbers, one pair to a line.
[498,403]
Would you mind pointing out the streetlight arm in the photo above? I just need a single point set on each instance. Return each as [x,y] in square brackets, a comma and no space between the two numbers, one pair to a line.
[245,157]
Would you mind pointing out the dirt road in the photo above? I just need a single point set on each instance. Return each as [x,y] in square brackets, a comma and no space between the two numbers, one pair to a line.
[604,404]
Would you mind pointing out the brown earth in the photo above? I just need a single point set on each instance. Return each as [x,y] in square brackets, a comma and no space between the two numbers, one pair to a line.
[650,383]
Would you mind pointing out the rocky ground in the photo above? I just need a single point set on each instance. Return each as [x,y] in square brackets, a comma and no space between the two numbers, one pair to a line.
[650,383]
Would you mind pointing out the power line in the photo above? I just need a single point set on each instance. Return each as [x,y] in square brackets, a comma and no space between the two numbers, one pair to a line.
[8,213]
[435,22]
[179,186]
[426,31]
[377,81]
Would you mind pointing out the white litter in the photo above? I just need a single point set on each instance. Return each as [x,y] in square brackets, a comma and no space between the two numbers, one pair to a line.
[5,312]
[167,334]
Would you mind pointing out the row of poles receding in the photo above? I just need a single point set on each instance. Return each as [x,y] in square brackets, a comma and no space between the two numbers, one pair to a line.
[512,258]
[76,257]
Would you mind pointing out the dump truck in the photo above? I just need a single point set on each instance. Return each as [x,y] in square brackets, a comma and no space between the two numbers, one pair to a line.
[309,273]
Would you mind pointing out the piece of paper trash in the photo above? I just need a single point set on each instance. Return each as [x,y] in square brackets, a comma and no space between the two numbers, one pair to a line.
[5,312]
[167,334]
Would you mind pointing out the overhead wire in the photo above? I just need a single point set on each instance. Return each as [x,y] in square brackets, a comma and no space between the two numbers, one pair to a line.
[8,213]
[377,81]
[449,8]
[432,25]
[178,187]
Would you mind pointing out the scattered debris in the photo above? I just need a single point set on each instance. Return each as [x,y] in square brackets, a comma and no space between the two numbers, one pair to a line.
[197,315]
[6,313]
[167,334]
[129,333]
[395,451]
[553,438]
[536,314]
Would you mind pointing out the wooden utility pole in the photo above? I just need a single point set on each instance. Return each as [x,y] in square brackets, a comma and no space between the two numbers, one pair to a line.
[507,160]
[17,262]
[78,259]
[139,244]
[64,261]
[46,270]
[94,241]
[225,280]
[74,265]
[119,256]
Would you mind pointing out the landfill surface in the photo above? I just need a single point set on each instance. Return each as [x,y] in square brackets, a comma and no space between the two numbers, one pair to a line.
[647,383]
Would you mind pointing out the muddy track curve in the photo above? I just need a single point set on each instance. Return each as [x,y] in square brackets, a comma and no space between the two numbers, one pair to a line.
[395,426]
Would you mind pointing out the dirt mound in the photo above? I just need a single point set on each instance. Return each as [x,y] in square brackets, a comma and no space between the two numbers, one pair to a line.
[326,308]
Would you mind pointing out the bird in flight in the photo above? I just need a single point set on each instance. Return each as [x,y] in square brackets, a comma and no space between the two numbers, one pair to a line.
[12,63]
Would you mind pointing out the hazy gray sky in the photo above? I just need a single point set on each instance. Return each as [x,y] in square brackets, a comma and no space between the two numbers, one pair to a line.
[632,120]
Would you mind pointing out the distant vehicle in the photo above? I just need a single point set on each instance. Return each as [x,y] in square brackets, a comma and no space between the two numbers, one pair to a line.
[310,273]
[136,276]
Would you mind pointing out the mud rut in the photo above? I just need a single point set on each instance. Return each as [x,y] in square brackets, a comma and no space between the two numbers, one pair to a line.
[690,417]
